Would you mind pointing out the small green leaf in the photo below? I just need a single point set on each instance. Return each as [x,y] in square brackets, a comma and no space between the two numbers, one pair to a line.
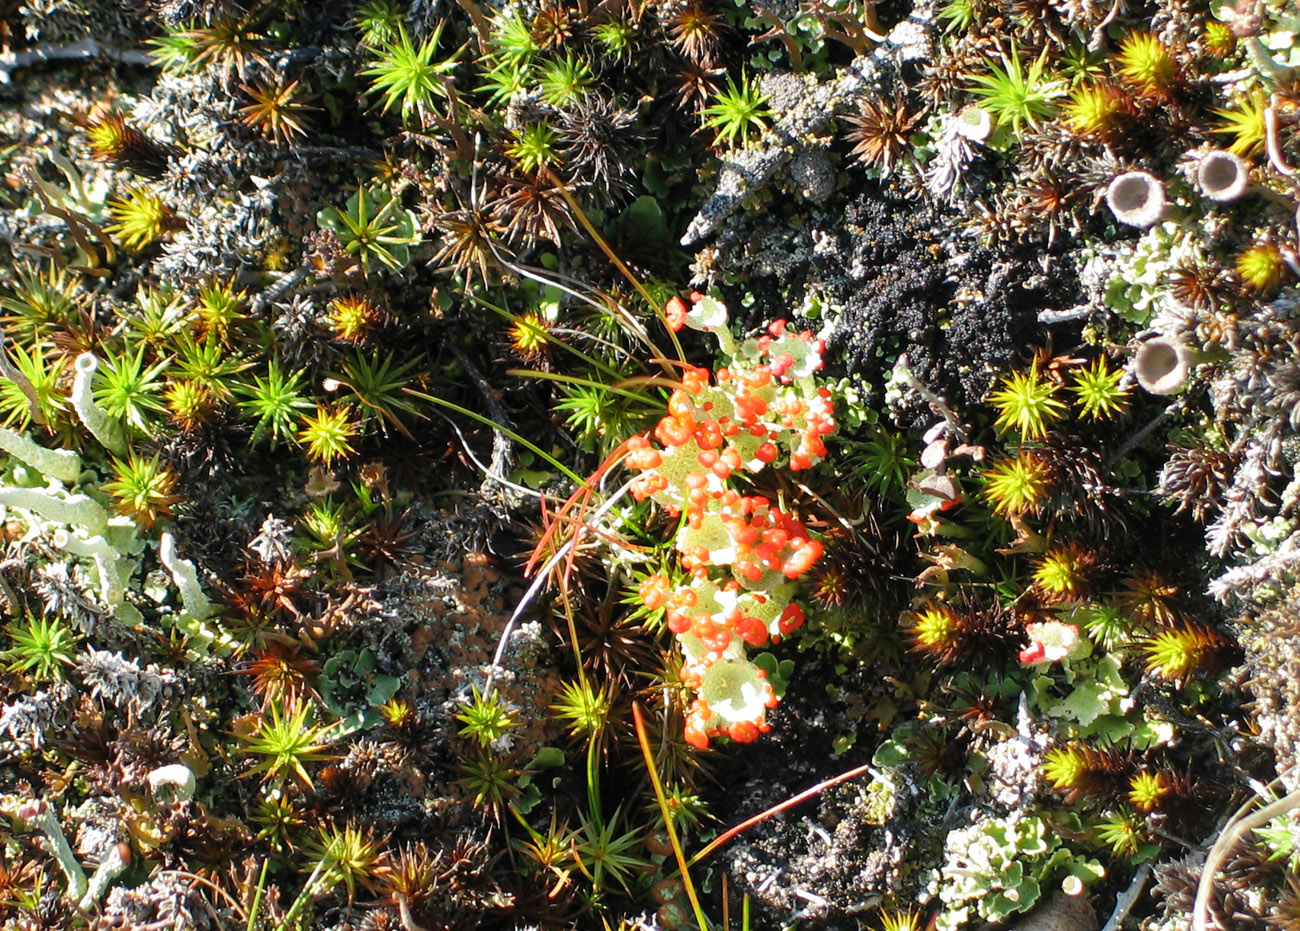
[384,688]
[891,754]
[547,757]
[778,673]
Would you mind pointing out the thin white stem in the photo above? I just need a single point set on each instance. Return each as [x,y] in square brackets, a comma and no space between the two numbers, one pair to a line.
[592,337]
[1272,143]
[628,320]
[1231,835]
[486,470]
[404,913]
[543,574]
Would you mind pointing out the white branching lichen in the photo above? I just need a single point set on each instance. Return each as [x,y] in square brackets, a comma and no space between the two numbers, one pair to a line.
[39,815]
[110,435]
[61,464]
[112,588]
[77,510]
[186,578]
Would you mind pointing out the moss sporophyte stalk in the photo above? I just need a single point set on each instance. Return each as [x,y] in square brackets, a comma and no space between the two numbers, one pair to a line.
[743,554]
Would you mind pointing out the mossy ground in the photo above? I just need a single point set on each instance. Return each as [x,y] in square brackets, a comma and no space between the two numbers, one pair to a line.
[943,227]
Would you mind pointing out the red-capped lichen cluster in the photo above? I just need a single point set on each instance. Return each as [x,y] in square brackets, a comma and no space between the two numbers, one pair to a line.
[742,552]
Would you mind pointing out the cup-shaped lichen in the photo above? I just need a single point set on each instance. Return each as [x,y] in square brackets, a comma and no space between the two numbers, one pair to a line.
[1136,198]
[1162,365]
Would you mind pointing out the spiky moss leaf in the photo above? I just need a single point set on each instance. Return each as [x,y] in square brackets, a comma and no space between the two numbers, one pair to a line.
[1262,268]
[534,146]
[486,717]
[1081,771]
[41,647]
[343,856]
[374,227]
[288,743]
[1017,96]
[328,433]
[1097,391]
[274,403]
[584,707]
[140,218]
[1095,110]
[1244,124]
[739,110]
[128,390]
[1063,573]
[1027,404]
[1146,790]
[1145,64]
[936,630]
[409,76]
[1017,486]
[142,489]
[1180,652]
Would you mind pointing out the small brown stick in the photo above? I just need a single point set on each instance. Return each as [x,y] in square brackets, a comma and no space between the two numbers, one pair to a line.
[1098,37]
[778,31]
[75,225]
[1127,898]
[1132,442]
[937,404]
[481,25]
[500,442]
[10,371]
[204,881]
[8,592]
[70,51]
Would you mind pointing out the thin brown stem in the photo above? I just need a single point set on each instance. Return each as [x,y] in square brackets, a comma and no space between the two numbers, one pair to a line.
[481,25]
[793,800]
